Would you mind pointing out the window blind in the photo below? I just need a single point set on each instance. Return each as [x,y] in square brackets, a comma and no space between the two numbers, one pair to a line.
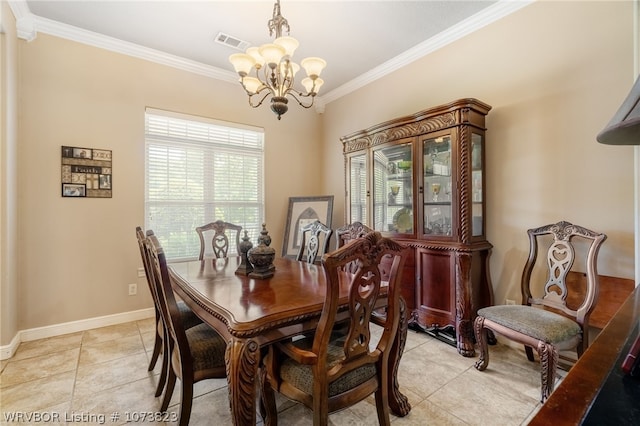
[198,171]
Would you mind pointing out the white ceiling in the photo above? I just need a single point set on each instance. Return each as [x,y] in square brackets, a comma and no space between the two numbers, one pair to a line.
[360,40]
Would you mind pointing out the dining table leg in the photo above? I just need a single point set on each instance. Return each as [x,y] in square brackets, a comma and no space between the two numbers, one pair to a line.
[242,359]
[398,402]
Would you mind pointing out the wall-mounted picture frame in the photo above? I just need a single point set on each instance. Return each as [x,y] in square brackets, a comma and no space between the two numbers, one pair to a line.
[302,211]
[74,190]
[86,172]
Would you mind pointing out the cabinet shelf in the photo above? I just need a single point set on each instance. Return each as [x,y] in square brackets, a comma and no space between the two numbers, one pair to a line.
[402,177]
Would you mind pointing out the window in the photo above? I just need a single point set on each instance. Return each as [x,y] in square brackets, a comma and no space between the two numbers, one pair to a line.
[198,171]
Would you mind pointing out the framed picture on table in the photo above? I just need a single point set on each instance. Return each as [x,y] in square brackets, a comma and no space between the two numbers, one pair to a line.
[302,211]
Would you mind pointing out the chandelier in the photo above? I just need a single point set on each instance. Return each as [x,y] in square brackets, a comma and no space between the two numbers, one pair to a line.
[276,79]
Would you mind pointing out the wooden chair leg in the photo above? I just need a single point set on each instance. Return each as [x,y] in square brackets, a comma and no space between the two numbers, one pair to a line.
[321,408]
[168,391]
[157,348]
[268,409]
[548,364]
[529,352]
[382,404]
[186,400]
[481,338]
[162,380]
[398,403]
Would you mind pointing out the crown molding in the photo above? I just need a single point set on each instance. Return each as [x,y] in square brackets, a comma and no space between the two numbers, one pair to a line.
[25,25]
[101,41]
[29,25]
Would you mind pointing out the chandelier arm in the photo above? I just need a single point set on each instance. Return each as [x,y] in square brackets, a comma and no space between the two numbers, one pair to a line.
[266,95]
[293,94]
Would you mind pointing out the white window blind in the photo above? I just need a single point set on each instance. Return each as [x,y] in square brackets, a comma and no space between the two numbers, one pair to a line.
[199,171]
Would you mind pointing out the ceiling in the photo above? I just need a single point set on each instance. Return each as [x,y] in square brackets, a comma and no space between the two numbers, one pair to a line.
[360,40]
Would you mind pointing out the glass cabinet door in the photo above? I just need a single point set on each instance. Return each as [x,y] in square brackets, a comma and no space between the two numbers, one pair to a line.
[357,167]
[477,182]
[438,186]
[393,189]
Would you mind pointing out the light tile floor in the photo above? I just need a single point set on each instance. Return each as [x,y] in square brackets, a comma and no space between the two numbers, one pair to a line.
[86,377]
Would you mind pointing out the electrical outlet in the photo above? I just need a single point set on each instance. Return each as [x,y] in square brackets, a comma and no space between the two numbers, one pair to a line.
[511,302]
[140,272]
[133,289]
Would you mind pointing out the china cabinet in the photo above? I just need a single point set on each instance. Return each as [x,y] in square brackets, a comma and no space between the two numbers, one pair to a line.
[420,179]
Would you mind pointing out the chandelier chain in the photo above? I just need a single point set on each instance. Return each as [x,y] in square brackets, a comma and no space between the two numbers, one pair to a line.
[278,21]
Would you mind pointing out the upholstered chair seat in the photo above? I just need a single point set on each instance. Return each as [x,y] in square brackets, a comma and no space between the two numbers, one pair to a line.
[207,349]
[534,322]
[301,375]
[189,319]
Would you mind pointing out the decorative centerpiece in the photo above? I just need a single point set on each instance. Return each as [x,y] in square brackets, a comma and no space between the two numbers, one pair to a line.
[245,245]
[261,256]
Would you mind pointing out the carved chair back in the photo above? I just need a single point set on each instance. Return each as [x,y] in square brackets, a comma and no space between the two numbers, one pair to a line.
[350,232]
[315,241]
[225,238]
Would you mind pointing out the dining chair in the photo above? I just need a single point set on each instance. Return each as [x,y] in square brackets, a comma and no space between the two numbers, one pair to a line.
[222,232]
[330,371]
[544,321]
[189,319]
[196,353]
[349,232]
[315,241]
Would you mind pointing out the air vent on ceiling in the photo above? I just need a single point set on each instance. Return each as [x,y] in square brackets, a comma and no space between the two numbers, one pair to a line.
[232,42]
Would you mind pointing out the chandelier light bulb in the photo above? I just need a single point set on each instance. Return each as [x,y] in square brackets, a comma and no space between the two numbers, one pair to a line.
[308,84]
[252,85]
[290,44]
[313,66]
[242,63]
[272,54]
[253,52]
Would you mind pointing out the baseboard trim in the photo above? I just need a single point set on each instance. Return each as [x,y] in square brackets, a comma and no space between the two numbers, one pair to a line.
[9,350]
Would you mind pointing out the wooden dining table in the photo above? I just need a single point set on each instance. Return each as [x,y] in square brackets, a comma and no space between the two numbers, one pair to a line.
[252,313]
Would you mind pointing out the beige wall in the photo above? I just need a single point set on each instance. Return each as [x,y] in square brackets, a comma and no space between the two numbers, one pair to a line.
[8,176]
[554,72]
[77,256]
